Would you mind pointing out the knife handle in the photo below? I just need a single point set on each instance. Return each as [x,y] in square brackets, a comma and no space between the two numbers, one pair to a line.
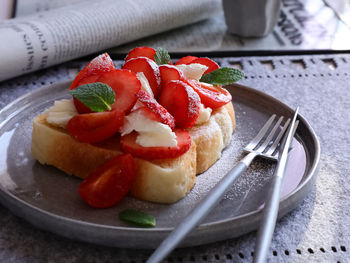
[271,206]
[269,221]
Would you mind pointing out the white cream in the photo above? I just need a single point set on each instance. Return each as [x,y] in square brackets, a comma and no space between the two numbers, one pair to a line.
[144,86]
[60,113]
[192,71]
[144,83]
[151,133]
[164,137]
[204,115]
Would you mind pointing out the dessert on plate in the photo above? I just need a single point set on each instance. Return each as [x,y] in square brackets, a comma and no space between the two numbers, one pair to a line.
[146,129]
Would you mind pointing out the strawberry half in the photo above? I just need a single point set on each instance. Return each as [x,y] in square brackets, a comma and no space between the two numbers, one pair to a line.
[101,64]
[147,52]
[182,102]
[186,60]
[125,85]
[149,68]
[211,96]
[159,112]
[168,73]
[81,108]
[95,127]
[146,113]
[129,145]
[212,65]
[109,183]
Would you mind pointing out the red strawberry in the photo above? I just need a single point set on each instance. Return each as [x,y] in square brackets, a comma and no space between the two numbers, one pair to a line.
[129,145]
[81,108]
[159,112]
[182,102]
[147,52]
[147,113]
[96,126]
[168,73]
[186,60]
[109,183]
[206,62]
[211,96]
[125,85]
[101,64]
[149,68]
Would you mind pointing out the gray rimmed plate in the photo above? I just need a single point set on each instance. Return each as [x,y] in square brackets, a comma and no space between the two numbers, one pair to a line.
[48,198]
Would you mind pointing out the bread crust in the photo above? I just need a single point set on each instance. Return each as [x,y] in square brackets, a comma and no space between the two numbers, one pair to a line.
[213,136]
[167,180]
[161,181]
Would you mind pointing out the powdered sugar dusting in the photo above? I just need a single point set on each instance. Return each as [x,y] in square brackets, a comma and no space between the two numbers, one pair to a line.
[102,63]
[214,174]
[193,100]
[251,183]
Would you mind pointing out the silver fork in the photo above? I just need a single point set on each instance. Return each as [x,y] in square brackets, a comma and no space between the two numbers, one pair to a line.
[265,144]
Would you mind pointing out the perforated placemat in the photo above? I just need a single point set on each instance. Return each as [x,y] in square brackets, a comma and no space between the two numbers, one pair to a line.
[317,231]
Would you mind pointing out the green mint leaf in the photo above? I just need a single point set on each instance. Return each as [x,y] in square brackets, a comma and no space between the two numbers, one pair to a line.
[162,56]
[138,218]
[96,96]
[222,76]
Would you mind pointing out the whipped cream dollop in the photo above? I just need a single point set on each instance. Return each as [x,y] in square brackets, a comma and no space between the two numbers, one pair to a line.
[204,115]
[192,71]
[60,113]
[150,133]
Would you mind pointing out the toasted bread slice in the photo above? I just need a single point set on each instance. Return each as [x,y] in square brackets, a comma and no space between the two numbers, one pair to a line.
[163,180]
[212,136]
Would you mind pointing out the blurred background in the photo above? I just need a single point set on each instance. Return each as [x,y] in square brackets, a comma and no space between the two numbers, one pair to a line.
[284,25]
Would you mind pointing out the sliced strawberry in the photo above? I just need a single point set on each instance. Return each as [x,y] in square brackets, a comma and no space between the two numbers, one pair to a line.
[88,80]
[101,64]
[186,60]
[159,112]
[81,108]
[149,68]
[129,145]
[125,85]
[109,183]
[147,52]
[146,112]
[206,62]
[182,102]
[168,73]
[95,127]
[211,96]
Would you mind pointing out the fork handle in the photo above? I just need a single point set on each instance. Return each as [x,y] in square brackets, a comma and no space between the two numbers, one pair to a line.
[200,211]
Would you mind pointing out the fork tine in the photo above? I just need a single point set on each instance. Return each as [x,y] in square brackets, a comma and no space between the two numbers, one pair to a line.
[270,136]
[278,139]
[253,143]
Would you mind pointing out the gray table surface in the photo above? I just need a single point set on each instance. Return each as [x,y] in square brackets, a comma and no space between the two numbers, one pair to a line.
[316,231]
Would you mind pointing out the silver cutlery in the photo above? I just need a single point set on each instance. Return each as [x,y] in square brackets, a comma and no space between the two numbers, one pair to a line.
[265,144]
[271,205]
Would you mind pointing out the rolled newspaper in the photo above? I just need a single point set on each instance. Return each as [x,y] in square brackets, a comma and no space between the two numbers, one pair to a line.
[44,39]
